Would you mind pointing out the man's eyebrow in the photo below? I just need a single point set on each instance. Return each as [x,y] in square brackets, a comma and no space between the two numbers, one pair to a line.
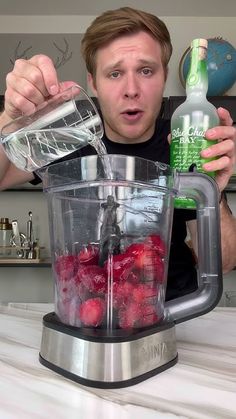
[111,66]
[142,61]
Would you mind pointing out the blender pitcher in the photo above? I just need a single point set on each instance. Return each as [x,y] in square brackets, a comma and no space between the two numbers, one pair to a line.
[110,220]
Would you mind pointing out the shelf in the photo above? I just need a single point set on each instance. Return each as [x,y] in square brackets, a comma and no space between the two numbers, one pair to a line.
[25,263]
[23,190]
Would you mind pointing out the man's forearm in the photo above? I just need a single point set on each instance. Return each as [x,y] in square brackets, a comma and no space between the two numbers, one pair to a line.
[228,237]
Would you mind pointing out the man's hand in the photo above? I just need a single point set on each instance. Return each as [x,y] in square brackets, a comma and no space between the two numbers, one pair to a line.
[29,84]
[224,150]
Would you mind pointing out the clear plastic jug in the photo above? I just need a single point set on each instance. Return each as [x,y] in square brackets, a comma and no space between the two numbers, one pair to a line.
[65,123]
[110,223]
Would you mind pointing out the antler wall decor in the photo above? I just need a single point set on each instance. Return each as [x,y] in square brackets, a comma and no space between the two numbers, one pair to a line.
[20,54]
[63,53]
[66,54]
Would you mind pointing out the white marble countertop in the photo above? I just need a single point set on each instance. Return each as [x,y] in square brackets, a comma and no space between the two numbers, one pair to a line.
[201,385]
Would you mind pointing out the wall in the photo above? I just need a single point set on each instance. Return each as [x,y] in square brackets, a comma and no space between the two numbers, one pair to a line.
[182,29]
[31,284]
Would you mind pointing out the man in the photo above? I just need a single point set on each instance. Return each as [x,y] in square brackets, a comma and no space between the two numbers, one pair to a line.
[127,53]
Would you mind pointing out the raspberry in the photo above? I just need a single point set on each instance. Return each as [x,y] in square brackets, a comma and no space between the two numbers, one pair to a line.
[91,312]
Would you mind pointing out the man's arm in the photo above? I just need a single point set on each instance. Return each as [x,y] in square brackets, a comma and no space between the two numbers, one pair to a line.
[228,236]
[223,164]
[29,84]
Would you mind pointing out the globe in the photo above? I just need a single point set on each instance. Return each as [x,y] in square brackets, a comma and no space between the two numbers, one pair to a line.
[221,66]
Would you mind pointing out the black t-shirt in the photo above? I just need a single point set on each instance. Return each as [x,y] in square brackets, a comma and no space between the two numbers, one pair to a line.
[182,275]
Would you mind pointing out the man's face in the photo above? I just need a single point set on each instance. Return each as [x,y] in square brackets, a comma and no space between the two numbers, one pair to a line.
[129,84]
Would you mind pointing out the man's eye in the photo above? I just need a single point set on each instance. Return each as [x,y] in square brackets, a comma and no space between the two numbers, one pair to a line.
[114,74]
[146,71]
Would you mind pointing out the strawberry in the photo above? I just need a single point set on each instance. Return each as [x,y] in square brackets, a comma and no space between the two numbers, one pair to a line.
[130,316]
[66,310]
[147,261]
[153,270]
[93,278]
[142,253]
[82,291]
[149,316]
[142,293]
[89,255]
[136,250]
[121,293]
[121,266]
[156,243]
[91,312]
[66,267]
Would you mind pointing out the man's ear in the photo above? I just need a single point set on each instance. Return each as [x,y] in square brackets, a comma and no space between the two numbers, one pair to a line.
[92,84]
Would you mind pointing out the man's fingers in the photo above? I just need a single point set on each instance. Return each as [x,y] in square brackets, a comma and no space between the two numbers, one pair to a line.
[48,74]
[225,117]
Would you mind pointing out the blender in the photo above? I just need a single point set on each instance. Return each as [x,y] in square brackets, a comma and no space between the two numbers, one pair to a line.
[110,219]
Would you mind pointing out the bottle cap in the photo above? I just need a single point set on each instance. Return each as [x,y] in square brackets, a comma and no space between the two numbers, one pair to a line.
[199,42]
[4,224]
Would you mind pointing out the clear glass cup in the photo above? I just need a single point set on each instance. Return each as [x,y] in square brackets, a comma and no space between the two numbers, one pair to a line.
[63,124]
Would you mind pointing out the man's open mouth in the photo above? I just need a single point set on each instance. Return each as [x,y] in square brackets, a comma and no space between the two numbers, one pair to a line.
[132,114]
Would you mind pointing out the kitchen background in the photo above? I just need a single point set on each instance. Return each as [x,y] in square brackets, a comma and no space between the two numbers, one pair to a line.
[55,27]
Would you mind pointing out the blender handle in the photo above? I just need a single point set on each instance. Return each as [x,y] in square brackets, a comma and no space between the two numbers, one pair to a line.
[203,189]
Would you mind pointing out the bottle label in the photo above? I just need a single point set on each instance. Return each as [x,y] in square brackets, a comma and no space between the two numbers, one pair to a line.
[186,146]
[187,136]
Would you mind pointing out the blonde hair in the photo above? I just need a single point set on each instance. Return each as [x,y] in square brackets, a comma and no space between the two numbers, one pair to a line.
[124,21]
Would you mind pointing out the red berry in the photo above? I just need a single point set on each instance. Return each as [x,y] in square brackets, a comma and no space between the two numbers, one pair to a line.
[148,258]
[142,253]
[154,268]
[142,293]
[89,255]
[149,316]
[156,243]
[130,316]
[91,312]
[121,267]
[122,293]
[82,291]
[93,278]
[136,250]
[66,267]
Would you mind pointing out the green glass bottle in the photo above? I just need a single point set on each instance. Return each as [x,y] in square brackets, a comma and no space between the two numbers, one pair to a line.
[191,119]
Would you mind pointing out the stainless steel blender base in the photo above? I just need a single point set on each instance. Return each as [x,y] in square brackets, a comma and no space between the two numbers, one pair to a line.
[106,361]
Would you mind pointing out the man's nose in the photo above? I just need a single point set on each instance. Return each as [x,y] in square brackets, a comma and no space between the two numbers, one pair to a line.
[131,86]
